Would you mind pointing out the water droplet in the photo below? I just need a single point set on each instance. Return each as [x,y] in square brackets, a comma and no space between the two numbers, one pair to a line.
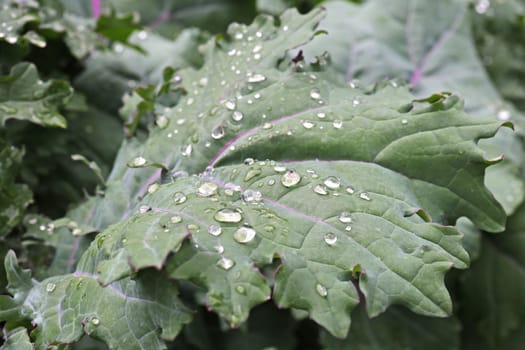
[214,230]
[271,182]
[332,182]
[11,39]
[232,52]
[364,196]
[285,28]
[137,162]
[337,123]
[244,234]
[504,115]
[321,115]
[144,209]
[321,189]
[308,124]
[240,290]
[142,35]
[345,217]
[237,116]
[227,215]
[321,290]
[348,228]
[350,190]
[356,101]
[249,161]
[290,178]
[217,132]
[330,238]
[207,189]
[186,150]
[267,126]
[251,196]
[219,248]
[203,81]
[225,263]
[179,198]
[175,219]
[50,287]
[256,78]
[315,94]
[482,6]
[153,187]
[404,121]
[230,105]
[257,96]
[279,168]
[162,122]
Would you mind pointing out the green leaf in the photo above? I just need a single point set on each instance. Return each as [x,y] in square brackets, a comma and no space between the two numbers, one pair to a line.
[24,96]
[492,290]
[118,28]
[396,329]
[129,312]
[17,339]
[400,39]
[14,198]
[14,19]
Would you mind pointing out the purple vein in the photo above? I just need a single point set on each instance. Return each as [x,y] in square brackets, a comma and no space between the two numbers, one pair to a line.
[96,6]
[252,131]
[417,73]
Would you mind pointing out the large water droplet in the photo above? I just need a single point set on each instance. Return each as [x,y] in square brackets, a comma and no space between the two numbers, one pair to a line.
[290,178]
[321,189]
[330,238]
[256,78]
[345,217]
[179,198]
[237,116]
[321,290]
[332,182]
[227,215]
[144,209]
[364,196]
[251,196]
[207,189]
[175,219]
[137,162]
[308,124]
[162,121]
[244,234]
[214,230]
[50,287]
[217,133]
[315,94]
[225,263]
[230,105]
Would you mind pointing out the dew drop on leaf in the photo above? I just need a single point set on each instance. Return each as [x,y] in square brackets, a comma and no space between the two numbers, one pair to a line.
[321,115]
[179,198]
[244,234]
[364,196]
[153,187]
[504,115]
[315,94]
[404,121]
[144,209]
[137,162]
[321,189]
[214,230]
[217,132]
[308,124]
[219,248]
[321,290]
[95,321]
[225,263]
[279,168]
[230,105]
[256,78]
[330,238]
[290,178]
[332,182]
[237,116]
[350,190]
[50,287]
[186,150]
[227,215]
[345,217]
[207,189]
[337,123]
[251,196]
[175,219]
[240,290]
[162,121]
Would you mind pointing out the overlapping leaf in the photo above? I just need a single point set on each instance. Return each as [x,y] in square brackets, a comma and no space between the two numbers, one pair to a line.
[128,313]
[24,96]
[395,39]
